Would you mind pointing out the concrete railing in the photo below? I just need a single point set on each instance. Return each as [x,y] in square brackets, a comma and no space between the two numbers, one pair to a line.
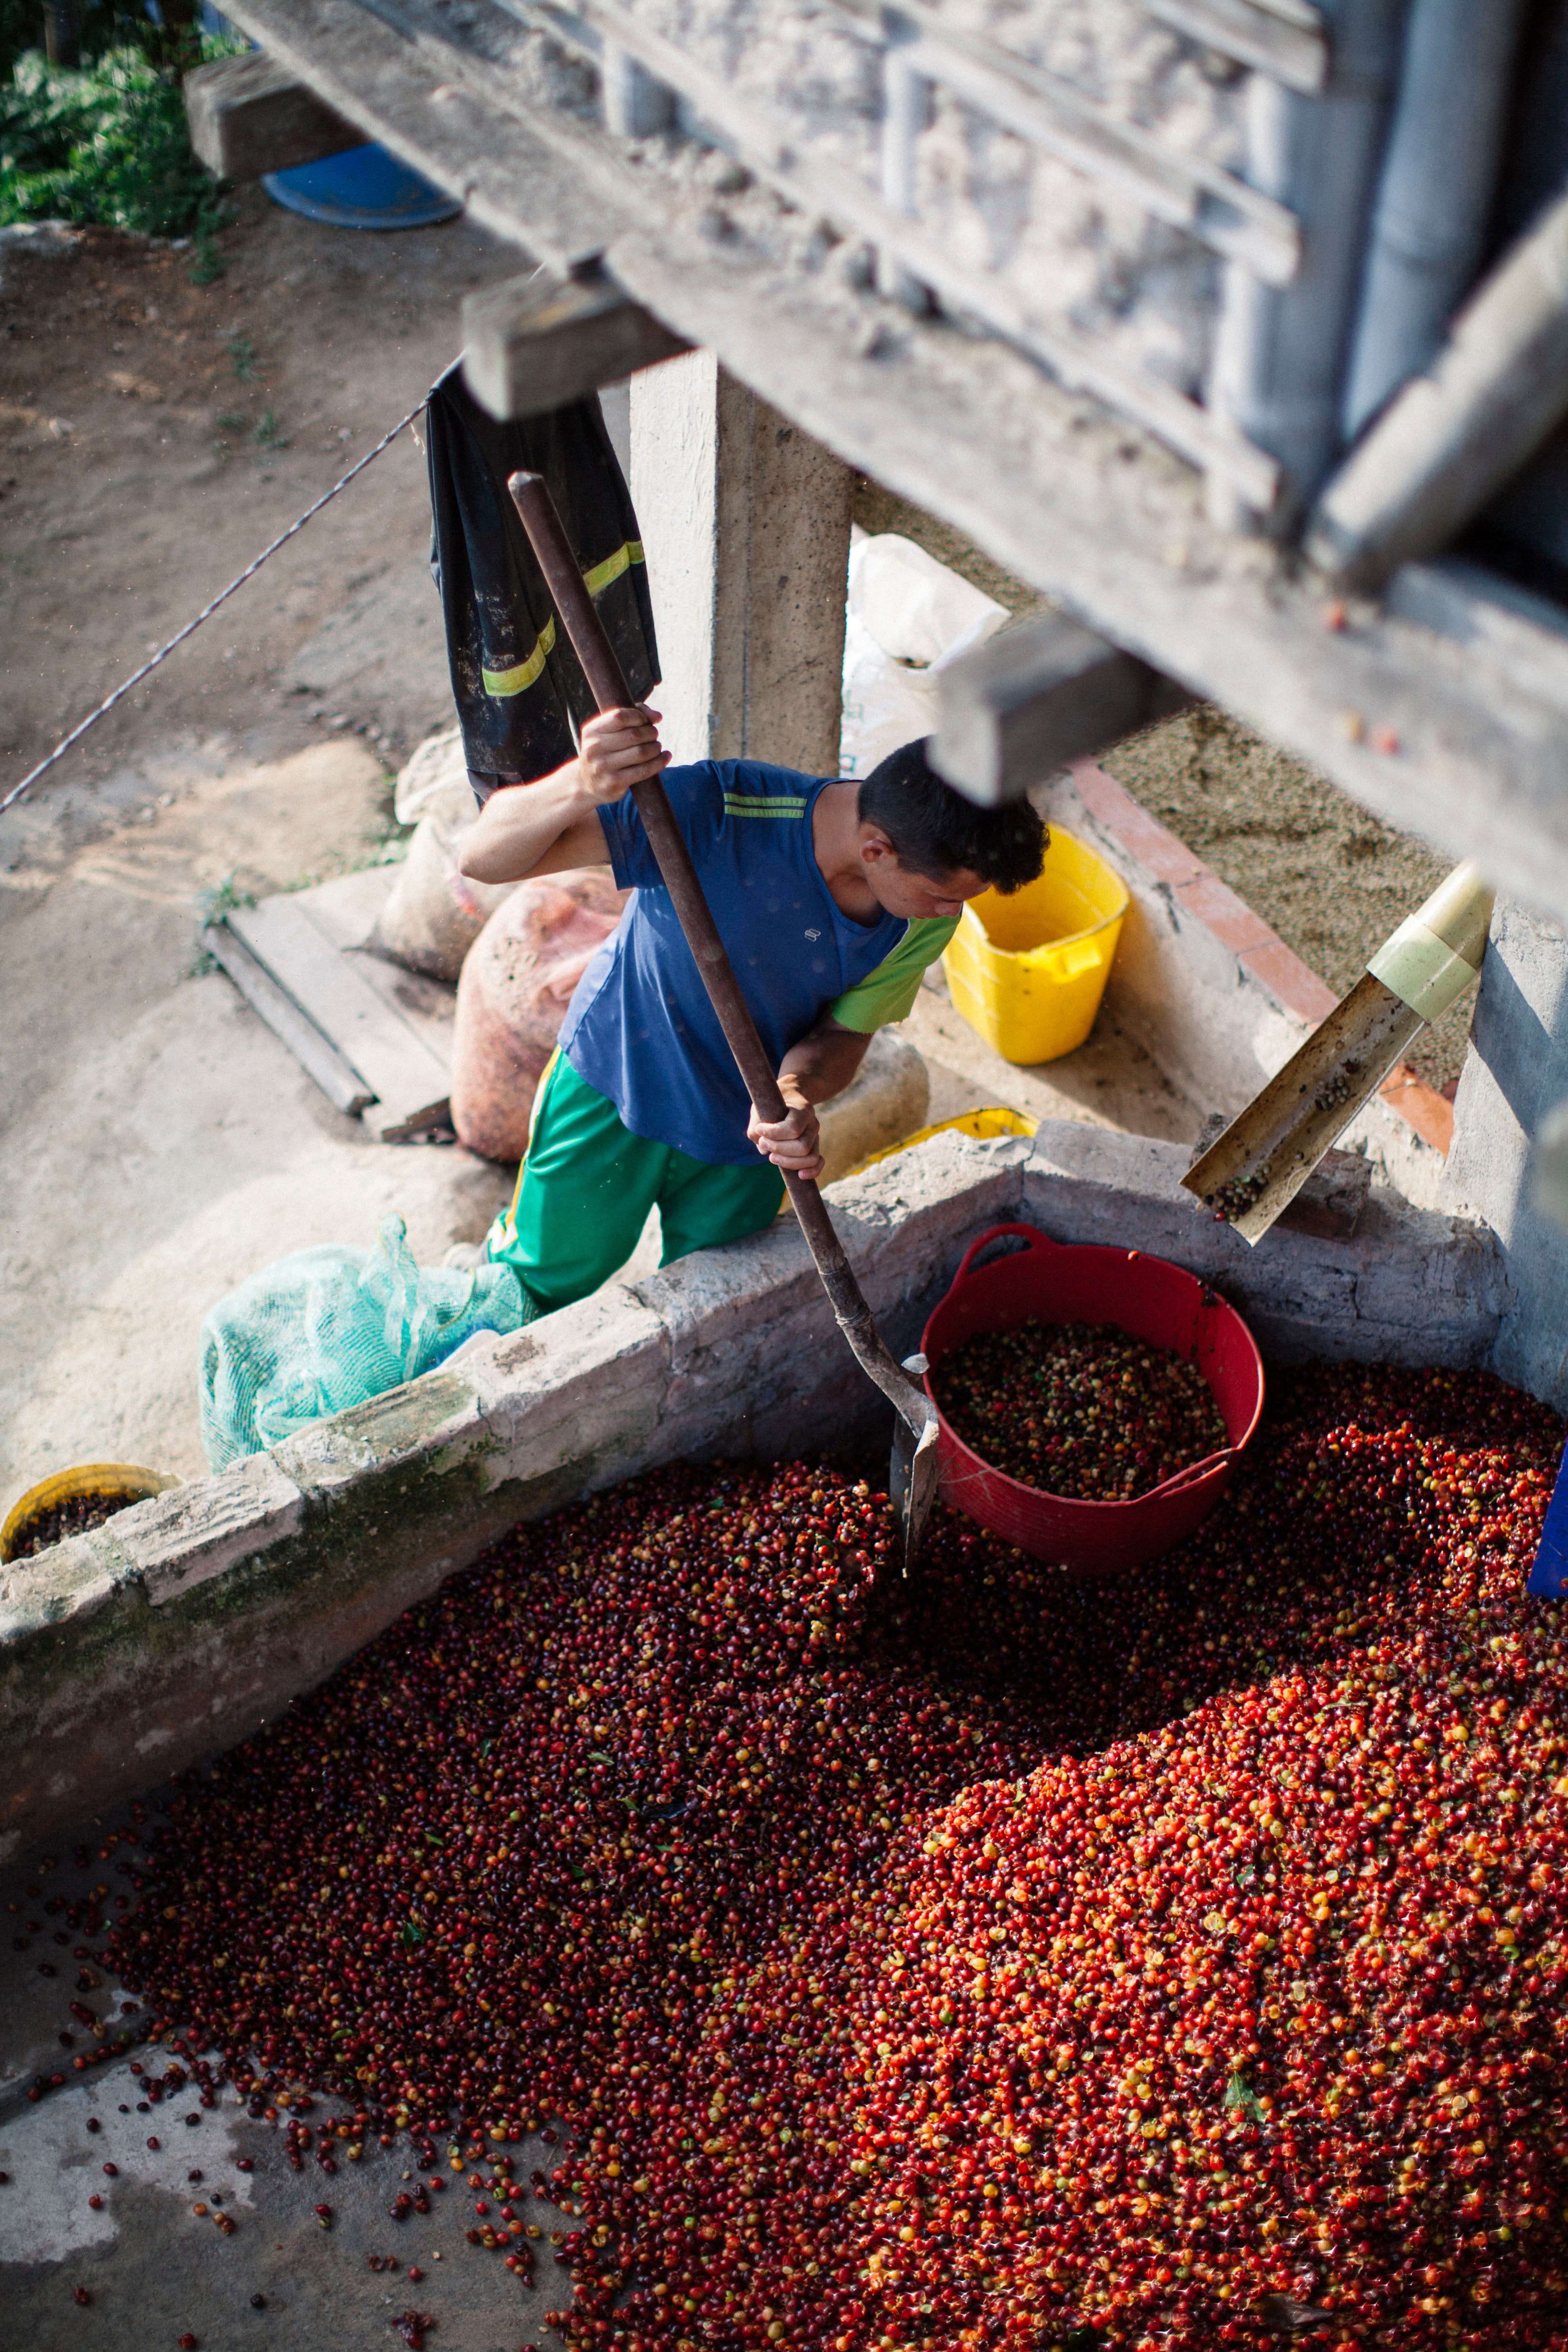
[182,1624]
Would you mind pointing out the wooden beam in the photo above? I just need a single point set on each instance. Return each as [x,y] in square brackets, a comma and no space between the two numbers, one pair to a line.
[483,136]
[819,184]
[1019,708]
[1283,39]
[1058,117]
[249,115]
[1419,726]
[316,1055]
[538,179]
[410,1084]
[1411,724]
[534,342]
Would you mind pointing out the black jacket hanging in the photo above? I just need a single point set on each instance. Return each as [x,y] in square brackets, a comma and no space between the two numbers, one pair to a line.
[519,689]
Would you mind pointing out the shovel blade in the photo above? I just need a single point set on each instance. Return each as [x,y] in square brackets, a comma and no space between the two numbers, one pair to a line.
[913,1477]
[1254,1169]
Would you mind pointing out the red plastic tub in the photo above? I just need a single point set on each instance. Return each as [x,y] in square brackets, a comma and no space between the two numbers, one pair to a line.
[1053,1282]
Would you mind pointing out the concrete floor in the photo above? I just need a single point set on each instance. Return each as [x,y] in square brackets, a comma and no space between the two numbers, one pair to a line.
[159,1143]
[1110,1081]
[155,2271]
[175,1144]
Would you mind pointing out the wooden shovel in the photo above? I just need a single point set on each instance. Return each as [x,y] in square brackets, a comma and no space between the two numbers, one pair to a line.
[912,1478]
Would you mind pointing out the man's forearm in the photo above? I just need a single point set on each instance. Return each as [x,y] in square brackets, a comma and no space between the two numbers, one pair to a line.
[520,825]
[821,1064]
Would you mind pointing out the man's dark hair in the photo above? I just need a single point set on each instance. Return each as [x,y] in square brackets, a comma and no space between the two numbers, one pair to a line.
[936,832]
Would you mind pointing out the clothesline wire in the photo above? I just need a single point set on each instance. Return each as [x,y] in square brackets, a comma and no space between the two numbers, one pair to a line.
[208,610]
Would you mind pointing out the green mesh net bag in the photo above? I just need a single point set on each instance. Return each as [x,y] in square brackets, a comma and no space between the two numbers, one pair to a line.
[328,1327]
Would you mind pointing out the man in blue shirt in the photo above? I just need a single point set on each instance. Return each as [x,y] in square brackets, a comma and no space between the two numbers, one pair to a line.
[831,898]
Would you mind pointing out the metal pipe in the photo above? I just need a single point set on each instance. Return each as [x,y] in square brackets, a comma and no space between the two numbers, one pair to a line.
[1456,435]
[1280,356]
[1434,196]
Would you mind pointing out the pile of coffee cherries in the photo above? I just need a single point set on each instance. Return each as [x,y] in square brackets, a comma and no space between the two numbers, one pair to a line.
[993,1958]
[58,1522]
[1082,1410]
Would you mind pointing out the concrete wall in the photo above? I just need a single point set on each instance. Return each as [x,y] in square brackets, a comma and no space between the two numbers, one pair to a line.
[171,1632]
[1515,1071]
[746,521]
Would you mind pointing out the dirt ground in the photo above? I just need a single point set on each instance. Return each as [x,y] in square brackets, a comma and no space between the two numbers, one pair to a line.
[1332,880]
[159,1143]
[155,433]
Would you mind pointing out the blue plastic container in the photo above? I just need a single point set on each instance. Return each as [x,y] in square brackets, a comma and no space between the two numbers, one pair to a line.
[364,187]
[1549,1577]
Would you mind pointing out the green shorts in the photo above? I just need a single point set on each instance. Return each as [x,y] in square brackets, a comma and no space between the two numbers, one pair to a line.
[587,1184]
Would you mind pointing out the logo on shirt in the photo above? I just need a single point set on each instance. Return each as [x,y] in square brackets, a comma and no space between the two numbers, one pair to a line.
[814,935]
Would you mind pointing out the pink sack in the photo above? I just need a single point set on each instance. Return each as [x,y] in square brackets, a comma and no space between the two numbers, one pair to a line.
[517,981]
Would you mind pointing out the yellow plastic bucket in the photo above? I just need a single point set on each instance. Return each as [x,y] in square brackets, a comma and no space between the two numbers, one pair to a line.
[1028,970]
[122,1483]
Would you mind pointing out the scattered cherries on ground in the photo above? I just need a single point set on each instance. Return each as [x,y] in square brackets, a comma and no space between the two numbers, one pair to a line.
[993,1959]
[1081,1410]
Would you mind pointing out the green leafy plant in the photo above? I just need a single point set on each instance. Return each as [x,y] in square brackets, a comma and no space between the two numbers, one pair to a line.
[242,358]
[207,262]
[106,142]
[175,41]
[220,899]
[269,433]
[212,904]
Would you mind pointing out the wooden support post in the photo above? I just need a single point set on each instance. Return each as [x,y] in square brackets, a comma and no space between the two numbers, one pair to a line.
[1022,706]
[746,520]
[534,342]
[248,116]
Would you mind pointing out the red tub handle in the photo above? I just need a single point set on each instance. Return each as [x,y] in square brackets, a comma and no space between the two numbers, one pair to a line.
[1030,1234]
[1178,1479]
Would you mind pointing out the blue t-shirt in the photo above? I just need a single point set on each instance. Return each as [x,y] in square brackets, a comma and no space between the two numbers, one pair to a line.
[640,1028]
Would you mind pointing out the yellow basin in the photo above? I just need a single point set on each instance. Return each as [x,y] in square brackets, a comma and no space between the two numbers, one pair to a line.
[125,1482]
[1028,970]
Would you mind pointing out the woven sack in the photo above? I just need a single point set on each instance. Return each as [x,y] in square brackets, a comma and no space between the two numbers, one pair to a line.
[513,998]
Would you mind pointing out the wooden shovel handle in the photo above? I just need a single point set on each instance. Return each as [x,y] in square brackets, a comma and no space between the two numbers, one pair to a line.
[607,684]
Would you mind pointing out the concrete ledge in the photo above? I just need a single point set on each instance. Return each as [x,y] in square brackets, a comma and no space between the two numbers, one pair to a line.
[75,1578]
[178,1628]
[181,1537]
[757,1363]
[173,1632]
